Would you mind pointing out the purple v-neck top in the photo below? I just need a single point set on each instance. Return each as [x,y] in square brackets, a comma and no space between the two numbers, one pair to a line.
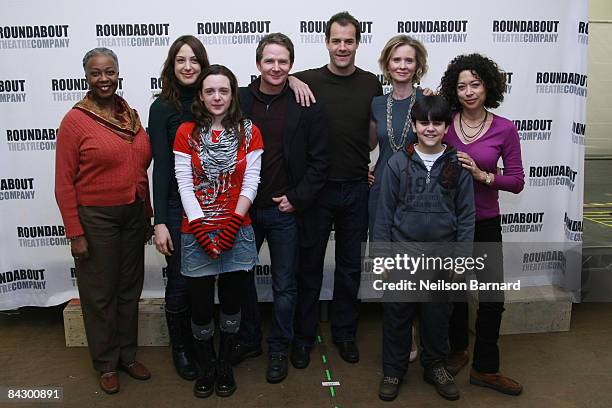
[501,140]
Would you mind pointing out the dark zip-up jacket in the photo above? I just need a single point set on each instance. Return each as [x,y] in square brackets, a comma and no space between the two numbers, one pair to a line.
[305,150]
[417,205]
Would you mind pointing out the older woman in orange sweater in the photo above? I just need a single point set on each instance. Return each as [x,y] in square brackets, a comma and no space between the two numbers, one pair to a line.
[102,191]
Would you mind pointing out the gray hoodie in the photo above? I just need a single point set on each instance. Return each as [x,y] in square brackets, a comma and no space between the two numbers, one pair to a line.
[417,205]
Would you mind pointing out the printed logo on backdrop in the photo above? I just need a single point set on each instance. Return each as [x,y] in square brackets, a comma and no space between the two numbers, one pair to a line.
[539,130]
[164,272]
[555,175]
[232,32]
[522,222]
[74,89]
[435,31]
[12,90]
[544,260]
[583,32]
[573,229]
[525,31]
[17,189]
[35,236]
[22,279]
[313,32]
[578,133]
[386,85]
[34,36]
[25,140]
[156,85]
[508,76]
[263,274]
[133,35]
[561,83]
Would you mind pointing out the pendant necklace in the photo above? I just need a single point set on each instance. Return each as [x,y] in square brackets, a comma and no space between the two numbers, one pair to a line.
[397,145]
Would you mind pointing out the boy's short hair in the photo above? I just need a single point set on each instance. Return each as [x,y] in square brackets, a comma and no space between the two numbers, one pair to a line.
[431,108]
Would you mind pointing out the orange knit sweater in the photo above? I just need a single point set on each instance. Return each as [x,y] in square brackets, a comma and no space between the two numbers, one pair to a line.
[96,167]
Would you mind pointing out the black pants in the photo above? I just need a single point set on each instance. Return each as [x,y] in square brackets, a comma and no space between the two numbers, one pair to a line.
[398,318]
[110,281]
[489,315]
[343,204]
[232,289]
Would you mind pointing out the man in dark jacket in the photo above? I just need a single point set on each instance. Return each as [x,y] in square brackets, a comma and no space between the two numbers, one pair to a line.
[294,170]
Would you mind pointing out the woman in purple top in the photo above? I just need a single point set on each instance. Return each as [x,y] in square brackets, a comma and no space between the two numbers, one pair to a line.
[472,83]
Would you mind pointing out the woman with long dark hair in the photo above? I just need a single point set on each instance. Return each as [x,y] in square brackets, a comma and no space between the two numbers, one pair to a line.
[217,164]
[472,84]
[185,61]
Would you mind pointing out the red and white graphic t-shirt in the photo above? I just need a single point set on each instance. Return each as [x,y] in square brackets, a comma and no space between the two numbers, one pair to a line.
[218,167]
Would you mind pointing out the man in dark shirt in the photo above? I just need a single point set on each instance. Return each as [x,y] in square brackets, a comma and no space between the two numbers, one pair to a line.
[294,169]
[346,92]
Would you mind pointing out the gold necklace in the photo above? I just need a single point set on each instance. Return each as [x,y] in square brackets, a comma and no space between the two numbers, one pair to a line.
[479,126]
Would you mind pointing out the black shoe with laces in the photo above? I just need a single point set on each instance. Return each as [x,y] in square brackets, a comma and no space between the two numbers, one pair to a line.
[439,377]
[277,368]
[389,388]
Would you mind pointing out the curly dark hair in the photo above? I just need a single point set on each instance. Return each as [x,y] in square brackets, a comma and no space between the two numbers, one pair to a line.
[484,68]
[233,117]
[170,91]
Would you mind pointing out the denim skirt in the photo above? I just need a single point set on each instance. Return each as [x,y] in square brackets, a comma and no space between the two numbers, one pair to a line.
[242,257]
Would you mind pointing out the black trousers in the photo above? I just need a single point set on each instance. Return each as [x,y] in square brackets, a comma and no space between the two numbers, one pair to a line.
[343,204]
[489,315]
[398,318]
[110,281]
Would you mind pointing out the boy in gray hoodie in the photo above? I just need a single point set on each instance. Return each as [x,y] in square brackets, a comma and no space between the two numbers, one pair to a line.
[426,196]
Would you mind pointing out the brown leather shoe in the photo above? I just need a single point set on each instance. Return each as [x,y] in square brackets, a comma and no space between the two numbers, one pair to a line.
[109,382]
[496,381]
[136,370]
[456,361]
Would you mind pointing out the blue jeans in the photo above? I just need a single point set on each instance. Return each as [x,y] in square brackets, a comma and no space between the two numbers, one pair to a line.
[345,205]
[177,296]
[281,232]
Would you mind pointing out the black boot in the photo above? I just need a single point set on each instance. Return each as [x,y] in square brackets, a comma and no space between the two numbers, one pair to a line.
[181,340]
[226,385]
[205,384]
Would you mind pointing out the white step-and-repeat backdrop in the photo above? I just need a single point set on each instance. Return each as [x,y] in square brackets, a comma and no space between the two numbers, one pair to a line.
[541,46]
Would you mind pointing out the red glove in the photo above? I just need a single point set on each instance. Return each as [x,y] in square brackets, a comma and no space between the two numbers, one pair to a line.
[203,238]
[227,236]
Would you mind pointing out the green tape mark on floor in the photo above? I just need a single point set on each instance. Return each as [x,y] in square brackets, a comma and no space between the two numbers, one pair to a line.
[328,375]
[319,339]
[332,392]
[324,359]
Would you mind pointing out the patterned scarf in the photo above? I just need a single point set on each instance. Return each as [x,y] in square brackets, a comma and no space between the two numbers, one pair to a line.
[123,121]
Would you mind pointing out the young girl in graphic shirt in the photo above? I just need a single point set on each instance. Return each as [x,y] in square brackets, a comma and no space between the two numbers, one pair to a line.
[217,164]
